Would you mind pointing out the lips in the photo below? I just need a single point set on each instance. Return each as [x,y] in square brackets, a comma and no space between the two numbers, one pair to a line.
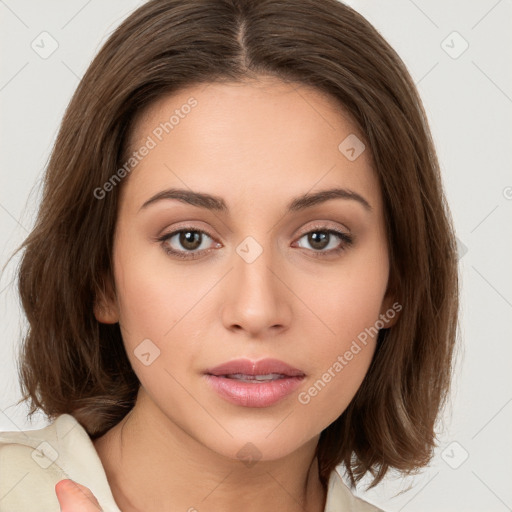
[254,383]
[245,367]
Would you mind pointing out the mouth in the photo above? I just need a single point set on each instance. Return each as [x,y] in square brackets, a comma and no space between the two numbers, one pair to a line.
[254,378]
[254,383]
[265,369]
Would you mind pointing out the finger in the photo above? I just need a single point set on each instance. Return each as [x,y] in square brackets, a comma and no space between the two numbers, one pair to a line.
[74,497]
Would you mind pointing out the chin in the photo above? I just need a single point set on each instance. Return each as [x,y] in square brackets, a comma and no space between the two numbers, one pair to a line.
[251,445]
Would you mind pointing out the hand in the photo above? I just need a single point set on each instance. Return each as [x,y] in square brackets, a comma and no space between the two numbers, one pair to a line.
[74,497]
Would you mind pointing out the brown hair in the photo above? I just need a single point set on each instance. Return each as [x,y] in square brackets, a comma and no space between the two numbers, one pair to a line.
[70,363]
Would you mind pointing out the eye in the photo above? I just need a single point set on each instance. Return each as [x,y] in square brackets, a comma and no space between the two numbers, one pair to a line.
[327,241]
[190,243]
[189,239]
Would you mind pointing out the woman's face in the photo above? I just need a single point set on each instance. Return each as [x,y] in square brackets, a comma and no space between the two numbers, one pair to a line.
[254,273]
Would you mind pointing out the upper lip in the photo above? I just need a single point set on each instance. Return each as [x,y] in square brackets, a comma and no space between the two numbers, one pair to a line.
[261,367]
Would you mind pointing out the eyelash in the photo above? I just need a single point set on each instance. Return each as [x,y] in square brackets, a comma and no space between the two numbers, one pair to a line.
[345,239]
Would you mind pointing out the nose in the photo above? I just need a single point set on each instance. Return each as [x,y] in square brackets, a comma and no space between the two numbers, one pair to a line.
[257,299]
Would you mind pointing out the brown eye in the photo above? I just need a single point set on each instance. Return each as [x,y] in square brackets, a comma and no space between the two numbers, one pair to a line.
[186,243]
[319,239]
[190,240]
[326,240]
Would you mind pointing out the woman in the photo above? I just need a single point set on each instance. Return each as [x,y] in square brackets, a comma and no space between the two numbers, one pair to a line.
[243,273]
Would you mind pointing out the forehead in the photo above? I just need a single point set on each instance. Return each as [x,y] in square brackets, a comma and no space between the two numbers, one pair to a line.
[267,137]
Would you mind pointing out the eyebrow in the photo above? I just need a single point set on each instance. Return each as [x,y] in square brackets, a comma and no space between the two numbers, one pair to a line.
[216,203]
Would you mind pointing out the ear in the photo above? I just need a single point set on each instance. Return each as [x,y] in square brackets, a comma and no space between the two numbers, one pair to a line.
[105,308]
[390,310]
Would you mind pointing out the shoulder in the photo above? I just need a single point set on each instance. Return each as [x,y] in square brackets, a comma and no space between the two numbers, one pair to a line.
[33,461]
[29,466]
[340,498]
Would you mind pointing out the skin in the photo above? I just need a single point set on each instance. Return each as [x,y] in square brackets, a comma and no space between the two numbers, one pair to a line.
[257,145]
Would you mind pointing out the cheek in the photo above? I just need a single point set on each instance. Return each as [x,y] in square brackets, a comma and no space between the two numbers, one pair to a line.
[345,330]
[156,307]
[329,391]
[155,299]
[339,361]
[345,301]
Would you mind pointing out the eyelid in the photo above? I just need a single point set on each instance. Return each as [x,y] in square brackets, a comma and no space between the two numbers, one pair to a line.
[344,235]
[183,226]
[318,225]
[325,226]
[185,255]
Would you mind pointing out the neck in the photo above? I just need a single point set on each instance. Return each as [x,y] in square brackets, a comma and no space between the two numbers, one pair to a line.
[154,465]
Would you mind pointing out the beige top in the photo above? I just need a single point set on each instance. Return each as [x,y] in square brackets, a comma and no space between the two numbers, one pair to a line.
[33,461]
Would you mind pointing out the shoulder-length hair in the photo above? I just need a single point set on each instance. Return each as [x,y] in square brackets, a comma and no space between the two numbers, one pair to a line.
[70,363]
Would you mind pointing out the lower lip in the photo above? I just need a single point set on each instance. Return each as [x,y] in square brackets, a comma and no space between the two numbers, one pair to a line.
[258,394]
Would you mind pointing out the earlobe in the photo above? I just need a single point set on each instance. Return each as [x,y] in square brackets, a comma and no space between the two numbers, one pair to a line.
[105,308]
[392,315]
[390,311]
[104,313]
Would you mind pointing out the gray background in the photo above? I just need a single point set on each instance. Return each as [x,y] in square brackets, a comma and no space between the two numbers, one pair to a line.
[468,98]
